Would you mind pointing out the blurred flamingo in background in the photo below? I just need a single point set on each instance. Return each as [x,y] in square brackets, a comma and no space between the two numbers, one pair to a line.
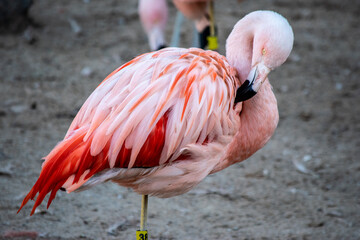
[153,16]
[201,12]
[165,120]
[197,11]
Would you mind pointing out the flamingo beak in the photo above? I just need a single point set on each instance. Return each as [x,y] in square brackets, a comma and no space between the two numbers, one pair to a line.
[252,84]
[246,90]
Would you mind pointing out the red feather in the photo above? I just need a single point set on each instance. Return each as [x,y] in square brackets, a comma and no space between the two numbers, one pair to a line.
[72,157]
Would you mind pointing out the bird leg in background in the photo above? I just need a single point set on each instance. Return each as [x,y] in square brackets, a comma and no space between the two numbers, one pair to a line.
[212,42]
[205,32]
[198,12]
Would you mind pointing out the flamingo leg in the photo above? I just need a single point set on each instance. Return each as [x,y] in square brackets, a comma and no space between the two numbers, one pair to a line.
[142,233]
[143,216]
[212,39]
[212,19]
[175,39]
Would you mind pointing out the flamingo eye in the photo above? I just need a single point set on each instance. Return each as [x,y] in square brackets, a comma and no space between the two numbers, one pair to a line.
[263,51]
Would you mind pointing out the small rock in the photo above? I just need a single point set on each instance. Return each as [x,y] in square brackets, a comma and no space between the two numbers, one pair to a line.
[86,71]
[119,226]
[347,72]
[75,27]
[248,197]
[3,156]
[42,210]
[257,174]
[294,57]
[328,187]
[121,21]
[300,166]
[334,214]
[338,86]
[29,36]
[293,190]
[287,152]
[6,171]
[306,116]
[307,158]
[36,85]
[306,92]
[306,13]
[284,88]
[316,224]
[18,108]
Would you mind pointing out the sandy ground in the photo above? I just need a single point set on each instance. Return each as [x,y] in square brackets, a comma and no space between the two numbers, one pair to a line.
[304,184]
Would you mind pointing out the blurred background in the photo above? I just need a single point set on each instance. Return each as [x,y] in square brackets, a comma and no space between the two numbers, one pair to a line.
[304,184]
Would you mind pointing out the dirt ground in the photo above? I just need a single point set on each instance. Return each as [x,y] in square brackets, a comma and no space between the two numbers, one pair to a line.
[304,184]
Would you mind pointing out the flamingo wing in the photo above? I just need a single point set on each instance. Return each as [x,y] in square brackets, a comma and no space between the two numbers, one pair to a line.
[143,115]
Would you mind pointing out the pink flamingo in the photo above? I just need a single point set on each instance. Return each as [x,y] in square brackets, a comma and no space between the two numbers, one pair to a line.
[153,16]
[165,120]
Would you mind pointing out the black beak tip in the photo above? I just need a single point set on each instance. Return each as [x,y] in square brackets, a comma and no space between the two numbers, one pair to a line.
[244,92]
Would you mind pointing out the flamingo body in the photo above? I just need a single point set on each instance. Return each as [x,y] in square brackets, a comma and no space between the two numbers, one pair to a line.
[165,120]
[144,115]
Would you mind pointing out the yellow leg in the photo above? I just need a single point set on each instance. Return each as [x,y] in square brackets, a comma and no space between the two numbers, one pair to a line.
[143,217]
[212,19]
[212,39]
[142,233]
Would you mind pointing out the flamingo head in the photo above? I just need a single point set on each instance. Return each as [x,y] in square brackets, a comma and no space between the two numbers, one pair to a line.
[265,39]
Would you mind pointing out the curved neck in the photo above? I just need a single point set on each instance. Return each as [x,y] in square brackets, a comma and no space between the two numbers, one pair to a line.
[239,48]
[259,115]
[258,120]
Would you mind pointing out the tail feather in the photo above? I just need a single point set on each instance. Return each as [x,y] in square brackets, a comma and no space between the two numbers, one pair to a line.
[85,160]
[70,163]
[54,191]
[69,158]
